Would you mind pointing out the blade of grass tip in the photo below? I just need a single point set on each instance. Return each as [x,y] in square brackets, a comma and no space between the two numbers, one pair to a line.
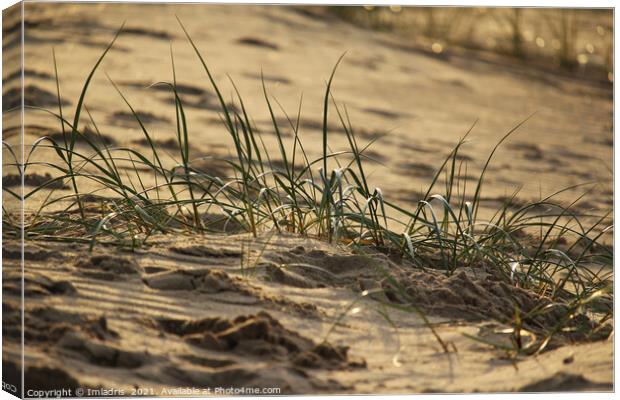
[182,122]
[76,119]
[211,79]
[298,143]
[326,109]
[486,165]
[62,124]
[296,140]
[176,109]
[227,116]
[276,128]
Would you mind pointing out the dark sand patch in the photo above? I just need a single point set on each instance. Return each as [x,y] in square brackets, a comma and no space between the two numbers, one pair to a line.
[31,251]
[28,23]
[212,167]
[317,268]
[221,223]
[205,251]
[48,378]
[565,382]
[416,147]
[34,130]
[182,88]
[259,335]
[108,267]
[369,63]
[530,151]
[97,139]
[419,169]
[84,348]
[389,114]
[210,362]
[147,32]
[33,96]
[573,155]
[47,324]
[286,276]
[145,116]
[454,83]
[170,144]
[269,78]
[257,42]
[204,101]
[205,280]
[374,156]
[33,179]
[36,285]
[316,126]
[29,73]
[193,96]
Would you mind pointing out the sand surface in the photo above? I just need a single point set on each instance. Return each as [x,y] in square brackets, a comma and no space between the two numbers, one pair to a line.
[183,313]
[187,312]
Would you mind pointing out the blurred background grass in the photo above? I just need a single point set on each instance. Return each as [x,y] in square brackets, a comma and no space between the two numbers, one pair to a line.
[573,41]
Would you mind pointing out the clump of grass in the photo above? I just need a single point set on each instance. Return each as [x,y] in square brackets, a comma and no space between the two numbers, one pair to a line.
[329,197]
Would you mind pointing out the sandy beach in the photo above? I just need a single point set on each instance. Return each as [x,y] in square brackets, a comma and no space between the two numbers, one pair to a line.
[292,313]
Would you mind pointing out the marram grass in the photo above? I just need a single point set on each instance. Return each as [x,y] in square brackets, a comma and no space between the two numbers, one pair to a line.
[310,197]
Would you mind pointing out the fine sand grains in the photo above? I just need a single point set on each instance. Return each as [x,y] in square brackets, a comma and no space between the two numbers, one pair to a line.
[183,313]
